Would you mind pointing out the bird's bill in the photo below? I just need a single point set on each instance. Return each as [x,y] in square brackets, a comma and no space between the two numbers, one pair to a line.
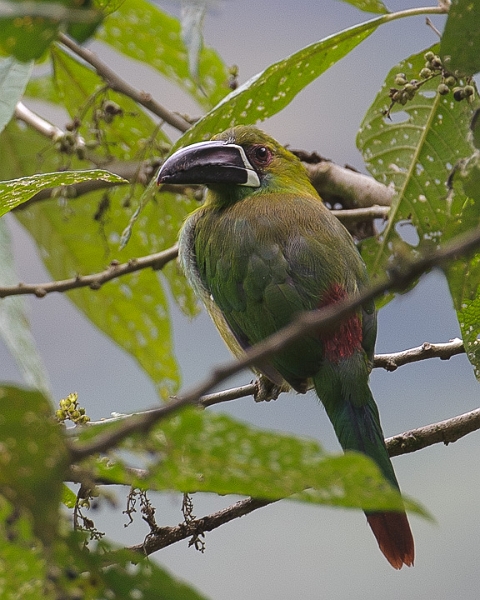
[209,163]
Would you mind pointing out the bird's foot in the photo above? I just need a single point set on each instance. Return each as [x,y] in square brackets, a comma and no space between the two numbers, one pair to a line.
[266,390]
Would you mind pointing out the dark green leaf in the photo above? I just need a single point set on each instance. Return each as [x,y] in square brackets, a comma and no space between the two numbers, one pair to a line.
[126,575]
[270,91]
[30,27]
[84,236]
[417,152]
[33,457]
[22,561]
[464,275]
[461,38]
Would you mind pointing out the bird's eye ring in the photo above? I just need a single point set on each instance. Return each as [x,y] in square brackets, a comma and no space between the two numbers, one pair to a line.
[262,155]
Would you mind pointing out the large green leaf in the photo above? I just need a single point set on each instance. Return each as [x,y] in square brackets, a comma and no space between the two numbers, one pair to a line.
[14,323]
[14,76]
[33,458]
[415,152]
[461,38]
[81,237]
[463,275]
[273,89]
[142,31]
[201,451]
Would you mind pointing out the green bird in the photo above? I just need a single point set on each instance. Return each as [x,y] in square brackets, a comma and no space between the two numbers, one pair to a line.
[264,248]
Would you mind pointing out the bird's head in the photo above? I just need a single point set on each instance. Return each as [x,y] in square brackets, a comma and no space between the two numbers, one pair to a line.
[237,163]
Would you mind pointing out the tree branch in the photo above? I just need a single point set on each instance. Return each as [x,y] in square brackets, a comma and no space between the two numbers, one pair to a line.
[391,362]
[447,431]
[399,278]
[354,189]
[154,261]
[166,536]
[37,122]
[116,83]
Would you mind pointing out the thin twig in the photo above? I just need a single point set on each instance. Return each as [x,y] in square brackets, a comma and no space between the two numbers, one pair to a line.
[154,261]
[391,362]
[166,536]
[116,83]
[307,322]
[445,432]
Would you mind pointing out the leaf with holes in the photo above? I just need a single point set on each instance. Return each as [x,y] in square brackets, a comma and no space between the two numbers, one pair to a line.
[463,275]
[197,450]
[415,152]
[273,89]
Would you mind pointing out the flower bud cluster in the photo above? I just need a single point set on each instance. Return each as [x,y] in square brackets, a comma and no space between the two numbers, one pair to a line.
[71,411]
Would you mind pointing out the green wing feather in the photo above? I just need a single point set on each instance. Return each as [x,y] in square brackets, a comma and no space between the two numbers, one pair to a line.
[247,264]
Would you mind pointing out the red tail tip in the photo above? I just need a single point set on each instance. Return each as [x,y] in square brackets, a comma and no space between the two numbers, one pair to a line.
[394,537]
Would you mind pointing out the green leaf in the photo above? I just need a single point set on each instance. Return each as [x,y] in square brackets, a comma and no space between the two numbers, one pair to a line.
[14,323]
[373,6]
[42,87]
[273,89]
[69,498]
[13,79]
[22,556]
[16,192]
[33,457]
[126,575]
[28,28]
[107,120]
[461,38]
[463,275]
[415,152]
[200,451]
[82,237]
[143,32]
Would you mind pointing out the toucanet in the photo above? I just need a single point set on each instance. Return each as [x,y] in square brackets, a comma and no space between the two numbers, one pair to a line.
[260,250]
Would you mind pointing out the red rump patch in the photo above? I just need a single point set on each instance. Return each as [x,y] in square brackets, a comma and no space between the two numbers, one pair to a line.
[347,337]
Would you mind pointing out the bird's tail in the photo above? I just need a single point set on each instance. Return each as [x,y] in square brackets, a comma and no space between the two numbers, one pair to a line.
[352,410]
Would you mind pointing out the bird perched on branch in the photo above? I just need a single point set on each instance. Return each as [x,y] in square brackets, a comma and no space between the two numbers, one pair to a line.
[262,249]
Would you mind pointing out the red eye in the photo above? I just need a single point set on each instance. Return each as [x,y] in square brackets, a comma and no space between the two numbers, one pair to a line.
[260,155]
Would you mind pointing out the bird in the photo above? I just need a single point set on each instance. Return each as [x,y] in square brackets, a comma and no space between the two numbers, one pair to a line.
[263,248]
